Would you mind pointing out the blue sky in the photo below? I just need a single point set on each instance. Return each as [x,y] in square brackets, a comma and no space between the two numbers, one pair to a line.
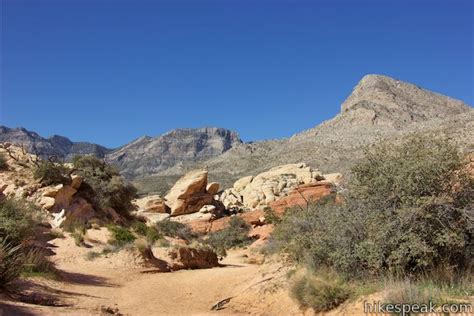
[110,71]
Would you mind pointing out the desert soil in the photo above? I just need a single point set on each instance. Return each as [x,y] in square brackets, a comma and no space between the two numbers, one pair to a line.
[118,282]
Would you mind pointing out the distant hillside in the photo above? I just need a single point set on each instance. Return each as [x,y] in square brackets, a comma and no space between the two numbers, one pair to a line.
[148,155]
[58,146]
[139,158]
[379,108]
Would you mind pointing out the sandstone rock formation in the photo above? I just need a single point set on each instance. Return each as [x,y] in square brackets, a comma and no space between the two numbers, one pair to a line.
[151,204]
[61,203]
[212,188]
[252,192]
[193,258]
[189,194]
[302,195]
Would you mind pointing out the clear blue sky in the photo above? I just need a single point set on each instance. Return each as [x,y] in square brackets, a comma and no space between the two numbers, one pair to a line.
[110,71]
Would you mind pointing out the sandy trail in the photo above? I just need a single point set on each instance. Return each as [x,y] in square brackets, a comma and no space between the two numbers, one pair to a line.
[116,282]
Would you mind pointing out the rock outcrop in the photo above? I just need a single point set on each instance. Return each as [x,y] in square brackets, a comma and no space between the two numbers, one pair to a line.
[252,192]
[193,258]
[302,195]
[61,202]
[190,194]
[151,204]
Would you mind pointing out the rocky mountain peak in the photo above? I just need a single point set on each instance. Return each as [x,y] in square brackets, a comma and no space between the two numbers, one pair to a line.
[57,146]
[153,154]
[381,100]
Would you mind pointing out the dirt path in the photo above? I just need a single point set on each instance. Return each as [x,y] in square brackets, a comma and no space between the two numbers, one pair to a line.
[116,282]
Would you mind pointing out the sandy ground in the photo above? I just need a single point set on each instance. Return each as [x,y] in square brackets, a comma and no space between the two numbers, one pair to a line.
[118,282]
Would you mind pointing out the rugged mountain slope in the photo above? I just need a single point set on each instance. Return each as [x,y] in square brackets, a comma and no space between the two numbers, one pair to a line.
[57,146]
[144,156]
[148,155]
[379,108]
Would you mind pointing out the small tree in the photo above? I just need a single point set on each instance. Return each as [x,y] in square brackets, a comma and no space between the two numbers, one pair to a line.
[103,185]
[49,173]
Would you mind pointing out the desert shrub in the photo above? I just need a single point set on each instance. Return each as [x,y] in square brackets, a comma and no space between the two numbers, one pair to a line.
[408,212]
[103,185]
[121,236]
[11,263]
[17,227]
[36,263]
[140,228]
[3,162]
[16,221]
[235,235]
[270,216]
[175,229]
[78,235]
[150,233]
[321,294]
[49,173]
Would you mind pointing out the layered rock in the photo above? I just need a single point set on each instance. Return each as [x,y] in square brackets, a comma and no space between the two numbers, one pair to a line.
[190,193]
[252,192]
[302,195]
[151,204]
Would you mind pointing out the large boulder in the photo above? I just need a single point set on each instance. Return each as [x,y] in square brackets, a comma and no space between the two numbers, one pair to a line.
[151,204]
[255,192]
[80,210]
[302,195]
[193,258]
[189,193]
[61,194]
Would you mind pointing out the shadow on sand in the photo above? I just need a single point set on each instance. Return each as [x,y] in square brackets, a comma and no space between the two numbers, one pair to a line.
[85,279]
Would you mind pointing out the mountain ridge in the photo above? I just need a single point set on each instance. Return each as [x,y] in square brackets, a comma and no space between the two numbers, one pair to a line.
[378,108]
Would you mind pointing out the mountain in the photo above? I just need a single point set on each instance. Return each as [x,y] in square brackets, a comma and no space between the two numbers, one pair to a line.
[148,155]
[379,108]
[57,146]
[143,156]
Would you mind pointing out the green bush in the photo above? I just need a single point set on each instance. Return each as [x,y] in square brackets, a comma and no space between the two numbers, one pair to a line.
[49,173]
[11,263]
[3,162]
[320,294]
[103,186]
[175,229]
[16,222]
[36,264]
[150,233]
[121,236]
[17,228]
[236,235]
[409,211]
